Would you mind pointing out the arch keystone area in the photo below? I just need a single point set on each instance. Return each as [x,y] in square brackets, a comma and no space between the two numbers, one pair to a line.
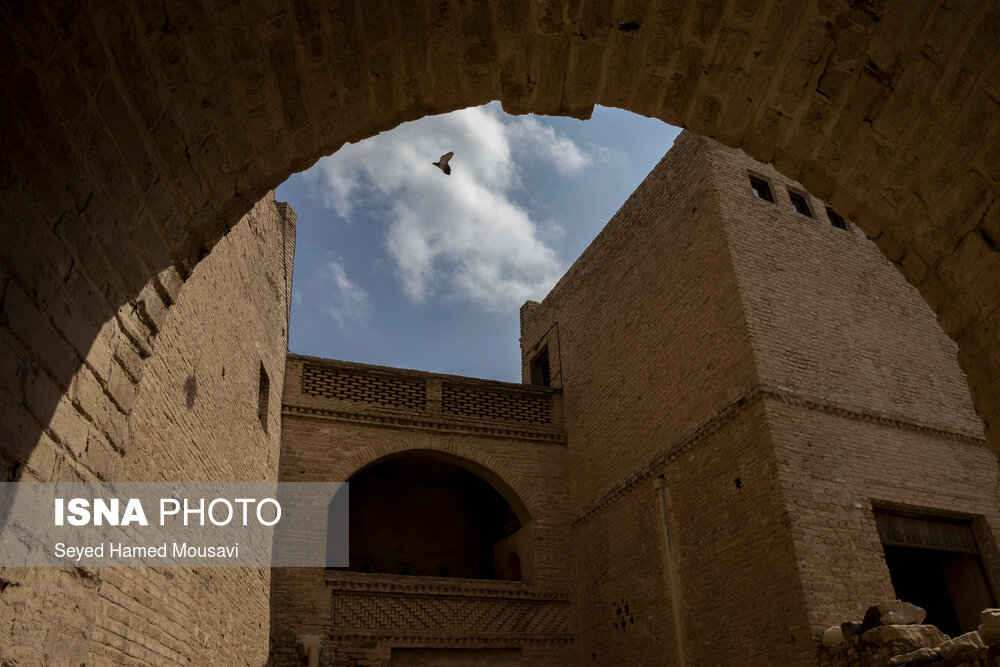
[136,135]
[153,128]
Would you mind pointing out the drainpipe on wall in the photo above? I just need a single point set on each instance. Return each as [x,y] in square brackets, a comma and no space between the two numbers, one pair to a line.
[672,581]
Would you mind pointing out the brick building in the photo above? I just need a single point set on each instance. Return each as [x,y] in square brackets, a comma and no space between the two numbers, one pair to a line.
[730,369]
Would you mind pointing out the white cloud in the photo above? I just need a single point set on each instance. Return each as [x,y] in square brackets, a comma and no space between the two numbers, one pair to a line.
[345,302]
[542,140]
[460,236]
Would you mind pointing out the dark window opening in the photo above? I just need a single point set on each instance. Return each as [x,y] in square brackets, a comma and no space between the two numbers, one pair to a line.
[835,219]
[761,190]
[800,204]
[432,518]
[263,394]
[540,369]
[514,566]
[935,564]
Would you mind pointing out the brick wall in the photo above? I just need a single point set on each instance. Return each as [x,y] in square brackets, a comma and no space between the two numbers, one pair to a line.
[871,406]
[773,370]
[741,599]
[193,417]
[339,418]
[158,125]
[142,133]
[648,316]
[828,316]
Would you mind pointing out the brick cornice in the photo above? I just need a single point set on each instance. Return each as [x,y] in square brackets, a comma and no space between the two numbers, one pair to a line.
[441,612]
[498,640]
[414,422]
[749,397]
[375,584]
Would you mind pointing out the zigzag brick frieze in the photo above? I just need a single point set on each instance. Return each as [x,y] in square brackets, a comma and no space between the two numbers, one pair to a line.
[447,611]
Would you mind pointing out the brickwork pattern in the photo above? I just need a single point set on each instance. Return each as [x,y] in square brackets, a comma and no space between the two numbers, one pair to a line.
[142,146]
[444,613]
[771,399]
[379,390]
[144,132]
[365,616]
[191,415]
[367,394]
[832,323]
[495,405]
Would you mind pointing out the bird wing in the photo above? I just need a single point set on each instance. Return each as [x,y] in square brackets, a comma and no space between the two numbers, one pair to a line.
[445,158]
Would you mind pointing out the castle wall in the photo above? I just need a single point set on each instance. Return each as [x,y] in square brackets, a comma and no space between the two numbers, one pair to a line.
[645,377]
[741,599]
[869,406]
[778,359]
[827,314]
[339,418]
[645,331]
[194,417]
[835,465]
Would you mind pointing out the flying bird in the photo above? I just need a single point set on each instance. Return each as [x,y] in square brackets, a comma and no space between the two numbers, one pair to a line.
[442,164]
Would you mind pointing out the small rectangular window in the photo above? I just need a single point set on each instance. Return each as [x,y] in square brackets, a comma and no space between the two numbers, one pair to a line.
[761,190]
[835,219]
[263,394]
[800,204]
[540,369]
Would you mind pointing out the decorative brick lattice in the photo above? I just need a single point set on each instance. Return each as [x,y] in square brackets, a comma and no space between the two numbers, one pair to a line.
[481,403]
[404,615]
[381,390]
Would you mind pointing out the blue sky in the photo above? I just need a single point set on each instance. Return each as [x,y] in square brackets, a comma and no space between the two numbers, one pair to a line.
[398,264]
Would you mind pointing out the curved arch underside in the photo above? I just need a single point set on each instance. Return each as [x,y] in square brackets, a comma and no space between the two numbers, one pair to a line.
[136,136]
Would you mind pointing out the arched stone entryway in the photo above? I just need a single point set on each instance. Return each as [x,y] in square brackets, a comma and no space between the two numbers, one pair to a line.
[136,136]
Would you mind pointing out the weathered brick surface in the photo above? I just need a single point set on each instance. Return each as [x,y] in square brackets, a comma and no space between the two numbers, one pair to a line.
[161,124]
[782,379]
[137,135]
[339,418]
[877,385]
[142,424]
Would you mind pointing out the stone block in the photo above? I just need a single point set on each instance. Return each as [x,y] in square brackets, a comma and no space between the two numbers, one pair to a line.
[832,636]
[899,639]
[897,612]
[989,626]
[918,657]
[970,641]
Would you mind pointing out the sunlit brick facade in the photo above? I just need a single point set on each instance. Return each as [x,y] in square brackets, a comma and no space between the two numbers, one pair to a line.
[729,364]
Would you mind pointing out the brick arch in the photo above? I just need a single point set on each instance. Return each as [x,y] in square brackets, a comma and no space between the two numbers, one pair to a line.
[146,132]
[137,134]
[494,472]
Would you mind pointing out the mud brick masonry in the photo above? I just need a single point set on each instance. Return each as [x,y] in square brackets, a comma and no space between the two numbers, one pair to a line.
[759,370]
[138,136]
[200,393]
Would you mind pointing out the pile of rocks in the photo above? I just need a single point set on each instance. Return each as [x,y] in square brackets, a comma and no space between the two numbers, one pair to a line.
[895,629]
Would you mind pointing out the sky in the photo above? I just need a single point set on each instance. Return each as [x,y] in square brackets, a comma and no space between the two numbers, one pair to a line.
[399,264]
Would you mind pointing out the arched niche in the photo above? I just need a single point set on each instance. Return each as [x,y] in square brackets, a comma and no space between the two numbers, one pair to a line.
[426,513]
